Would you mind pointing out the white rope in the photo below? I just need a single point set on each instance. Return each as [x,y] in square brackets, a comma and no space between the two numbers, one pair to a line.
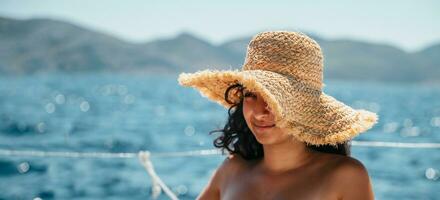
[31,153]
[158,184]
[205,152]
[395,144]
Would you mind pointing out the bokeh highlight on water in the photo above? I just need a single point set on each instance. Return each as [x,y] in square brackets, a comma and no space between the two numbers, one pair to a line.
[129,113]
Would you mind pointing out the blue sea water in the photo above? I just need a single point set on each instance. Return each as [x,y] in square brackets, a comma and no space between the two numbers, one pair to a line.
[129,113]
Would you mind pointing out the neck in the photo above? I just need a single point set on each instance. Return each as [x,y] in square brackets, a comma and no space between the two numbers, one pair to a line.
[287,156]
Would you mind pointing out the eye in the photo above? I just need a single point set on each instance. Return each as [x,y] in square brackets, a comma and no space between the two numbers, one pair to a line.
[249,94]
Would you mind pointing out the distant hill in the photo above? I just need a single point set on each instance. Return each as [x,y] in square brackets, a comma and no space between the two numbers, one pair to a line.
[46,45]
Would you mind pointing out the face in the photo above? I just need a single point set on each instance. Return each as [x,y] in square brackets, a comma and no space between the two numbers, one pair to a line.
[260,120]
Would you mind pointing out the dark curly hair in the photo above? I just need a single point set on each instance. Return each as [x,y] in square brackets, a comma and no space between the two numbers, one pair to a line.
[237,138]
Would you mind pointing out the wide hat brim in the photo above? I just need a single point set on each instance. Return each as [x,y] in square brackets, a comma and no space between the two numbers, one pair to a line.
[309,114]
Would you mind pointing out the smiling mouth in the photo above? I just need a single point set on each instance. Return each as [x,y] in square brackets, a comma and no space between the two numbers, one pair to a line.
[264,126]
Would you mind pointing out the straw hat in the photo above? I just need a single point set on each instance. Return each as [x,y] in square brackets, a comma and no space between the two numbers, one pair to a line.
[286,68]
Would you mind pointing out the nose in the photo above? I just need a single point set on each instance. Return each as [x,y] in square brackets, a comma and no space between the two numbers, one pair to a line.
[263,113]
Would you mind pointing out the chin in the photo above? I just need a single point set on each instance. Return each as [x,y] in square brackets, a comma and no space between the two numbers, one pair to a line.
[269,137]
[266,138]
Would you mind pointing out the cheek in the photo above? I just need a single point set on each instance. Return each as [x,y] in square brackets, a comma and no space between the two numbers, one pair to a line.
[246,111]
[284,133]
[247,114]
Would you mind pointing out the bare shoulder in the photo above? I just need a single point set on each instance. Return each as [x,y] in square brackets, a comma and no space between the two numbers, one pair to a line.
[349,168]
[230,165]
[233,162]
[349,179]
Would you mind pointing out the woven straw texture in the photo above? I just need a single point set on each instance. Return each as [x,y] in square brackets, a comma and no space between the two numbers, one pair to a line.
[286,68]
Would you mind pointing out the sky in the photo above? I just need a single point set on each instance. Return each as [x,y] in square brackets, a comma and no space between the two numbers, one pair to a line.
[410,25]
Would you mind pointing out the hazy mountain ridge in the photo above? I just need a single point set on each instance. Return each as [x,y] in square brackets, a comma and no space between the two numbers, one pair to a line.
[46,45]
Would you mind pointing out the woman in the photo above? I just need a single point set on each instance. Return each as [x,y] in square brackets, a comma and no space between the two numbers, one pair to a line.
[287,139]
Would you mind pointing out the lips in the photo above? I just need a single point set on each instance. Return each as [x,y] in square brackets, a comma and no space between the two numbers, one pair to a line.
[264,126]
